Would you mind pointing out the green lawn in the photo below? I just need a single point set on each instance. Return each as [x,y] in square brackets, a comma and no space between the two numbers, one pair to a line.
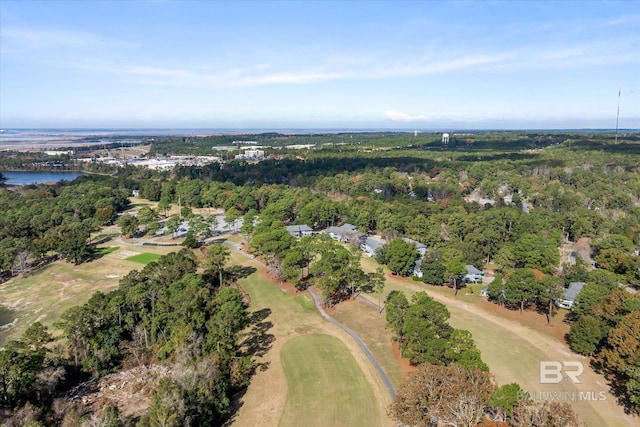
[326,386]
[144,258]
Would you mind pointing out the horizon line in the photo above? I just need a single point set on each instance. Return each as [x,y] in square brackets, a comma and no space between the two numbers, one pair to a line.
[323,129]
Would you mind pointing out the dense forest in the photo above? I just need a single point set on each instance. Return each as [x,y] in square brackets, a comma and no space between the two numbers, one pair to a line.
[508,200]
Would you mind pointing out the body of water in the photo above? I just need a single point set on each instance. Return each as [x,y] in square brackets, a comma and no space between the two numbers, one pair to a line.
[38,177]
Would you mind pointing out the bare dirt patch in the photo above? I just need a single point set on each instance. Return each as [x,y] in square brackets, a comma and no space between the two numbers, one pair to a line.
[405,364]
[123,253]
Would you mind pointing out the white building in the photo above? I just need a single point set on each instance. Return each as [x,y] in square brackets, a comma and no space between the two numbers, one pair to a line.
[570,295]
[445,138]
[252,155]
[299,231]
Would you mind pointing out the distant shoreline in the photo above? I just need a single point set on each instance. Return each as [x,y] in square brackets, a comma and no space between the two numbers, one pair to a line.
[87,132]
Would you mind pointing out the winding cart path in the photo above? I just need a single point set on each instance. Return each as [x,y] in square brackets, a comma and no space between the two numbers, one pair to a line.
[361,344]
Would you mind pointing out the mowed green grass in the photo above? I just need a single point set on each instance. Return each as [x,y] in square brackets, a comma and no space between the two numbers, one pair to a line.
[292,311]
[143,258]
[326,386]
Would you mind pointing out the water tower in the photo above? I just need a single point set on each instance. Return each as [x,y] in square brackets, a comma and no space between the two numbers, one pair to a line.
[445,138]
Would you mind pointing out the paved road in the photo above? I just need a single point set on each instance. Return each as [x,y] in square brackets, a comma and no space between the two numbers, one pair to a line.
[360,343]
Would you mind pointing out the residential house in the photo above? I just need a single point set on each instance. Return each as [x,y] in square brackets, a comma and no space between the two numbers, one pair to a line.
[344,233]
[570,295]
[299,231]
[473,274]
[420,247]
[371,244]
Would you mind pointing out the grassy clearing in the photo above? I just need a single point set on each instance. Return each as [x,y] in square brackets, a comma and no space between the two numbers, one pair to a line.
[46,293]
[143,258]
[138,202]
[326,386]
[285,309]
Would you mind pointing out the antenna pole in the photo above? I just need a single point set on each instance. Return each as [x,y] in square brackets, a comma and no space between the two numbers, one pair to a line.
[618,114]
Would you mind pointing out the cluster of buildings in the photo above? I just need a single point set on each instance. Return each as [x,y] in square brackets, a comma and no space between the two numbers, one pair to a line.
[348,233]
[155,163]
[170,162]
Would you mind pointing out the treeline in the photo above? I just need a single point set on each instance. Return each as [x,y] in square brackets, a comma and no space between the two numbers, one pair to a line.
[457,232]
[45,219]
[18,160]
[503,141]
[166,313]
[205,145]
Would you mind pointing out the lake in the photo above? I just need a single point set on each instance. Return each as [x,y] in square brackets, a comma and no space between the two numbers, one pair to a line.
[38,177]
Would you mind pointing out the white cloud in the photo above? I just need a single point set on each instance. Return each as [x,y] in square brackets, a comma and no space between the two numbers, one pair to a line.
[291,78]
[396,116]
[39,38]
[265,75]
[622,20]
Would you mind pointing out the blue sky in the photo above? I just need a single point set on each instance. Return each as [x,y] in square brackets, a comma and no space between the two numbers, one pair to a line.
[331,64]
